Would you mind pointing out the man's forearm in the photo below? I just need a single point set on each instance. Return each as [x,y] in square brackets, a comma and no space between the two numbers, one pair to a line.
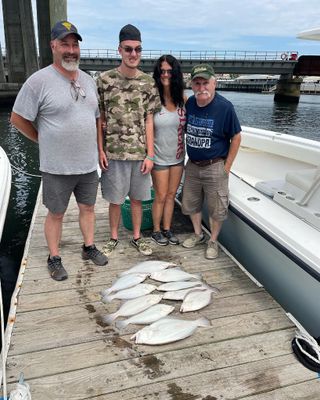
[24,126]
[233,150]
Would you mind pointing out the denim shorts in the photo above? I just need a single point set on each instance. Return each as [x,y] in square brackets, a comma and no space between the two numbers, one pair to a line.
[124,178]
[210,183]
[57,190]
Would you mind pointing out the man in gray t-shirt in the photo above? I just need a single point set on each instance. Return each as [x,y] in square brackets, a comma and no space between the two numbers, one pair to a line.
[58,107]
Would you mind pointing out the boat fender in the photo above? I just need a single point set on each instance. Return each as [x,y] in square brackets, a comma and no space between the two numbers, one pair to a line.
[284,56]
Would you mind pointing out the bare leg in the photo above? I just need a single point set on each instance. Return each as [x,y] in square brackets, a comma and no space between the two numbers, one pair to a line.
[53,231]
[136,215]
[196,222]
[114,217]
[160,183]
[215,229]
[86,222]
[174,181]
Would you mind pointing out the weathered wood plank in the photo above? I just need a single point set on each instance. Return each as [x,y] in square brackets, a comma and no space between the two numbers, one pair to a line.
[308,390]
[100,351]
[63,298]
[90,275]
[141,371]
[233,383]
[50,328]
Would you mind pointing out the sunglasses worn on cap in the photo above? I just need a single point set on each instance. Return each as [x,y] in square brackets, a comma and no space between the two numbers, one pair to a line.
[166,71]
[129,49]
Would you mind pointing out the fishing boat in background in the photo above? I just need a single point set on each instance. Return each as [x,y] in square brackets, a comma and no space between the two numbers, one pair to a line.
[5,187]
[273,228]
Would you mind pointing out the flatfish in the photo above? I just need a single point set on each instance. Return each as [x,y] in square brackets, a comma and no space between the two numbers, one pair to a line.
[180,294]
[124,282]
[179,285]
[172,275]
[131,293]
[148,316]
[132,307]
[195,300]
[148,267]
[168,330]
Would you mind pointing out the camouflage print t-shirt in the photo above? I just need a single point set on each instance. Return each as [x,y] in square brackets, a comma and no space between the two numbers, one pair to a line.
[125,103]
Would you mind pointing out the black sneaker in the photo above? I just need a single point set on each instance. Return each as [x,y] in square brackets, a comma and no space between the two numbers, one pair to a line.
[56,269]
[159,238]
[93,254]
[171,237]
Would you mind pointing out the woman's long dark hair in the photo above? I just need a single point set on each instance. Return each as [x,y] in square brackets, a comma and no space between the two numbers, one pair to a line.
[176,82]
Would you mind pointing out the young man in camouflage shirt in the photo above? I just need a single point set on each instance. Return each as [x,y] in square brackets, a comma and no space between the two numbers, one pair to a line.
[128,100]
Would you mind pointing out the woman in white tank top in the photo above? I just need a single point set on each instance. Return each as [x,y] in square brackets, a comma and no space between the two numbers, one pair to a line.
[169,147]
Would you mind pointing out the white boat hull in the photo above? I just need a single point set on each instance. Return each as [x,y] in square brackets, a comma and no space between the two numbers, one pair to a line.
[273,228]
[290,280]
[5,187]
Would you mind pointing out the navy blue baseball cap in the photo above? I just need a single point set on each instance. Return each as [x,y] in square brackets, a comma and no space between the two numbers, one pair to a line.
[63,28]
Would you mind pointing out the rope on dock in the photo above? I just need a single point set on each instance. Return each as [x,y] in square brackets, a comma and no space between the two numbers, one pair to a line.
[24,172]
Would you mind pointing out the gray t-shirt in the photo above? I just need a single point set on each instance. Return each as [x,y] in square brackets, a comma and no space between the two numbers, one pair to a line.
[169,136]
[66,126]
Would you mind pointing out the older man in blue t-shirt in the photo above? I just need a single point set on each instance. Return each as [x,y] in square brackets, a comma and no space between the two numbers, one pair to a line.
[213,135]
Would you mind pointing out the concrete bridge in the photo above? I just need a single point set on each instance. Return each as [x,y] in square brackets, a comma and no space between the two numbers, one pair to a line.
[232,62]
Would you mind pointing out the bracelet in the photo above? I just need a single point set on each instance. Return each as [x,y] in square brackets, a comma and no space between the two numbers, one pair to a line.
[150,158]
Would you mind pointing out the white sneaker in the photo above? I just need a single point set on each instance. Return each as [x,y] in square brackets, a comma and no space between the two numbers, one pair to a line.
[212,250]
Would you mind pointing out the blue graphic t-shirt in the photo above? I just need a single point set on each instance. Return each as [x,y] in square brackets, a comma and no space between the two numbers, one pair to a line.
[210,128]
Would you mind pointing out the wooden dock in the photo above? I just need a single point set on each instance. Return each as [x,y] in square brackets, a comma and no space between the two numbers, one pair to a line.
[66,352]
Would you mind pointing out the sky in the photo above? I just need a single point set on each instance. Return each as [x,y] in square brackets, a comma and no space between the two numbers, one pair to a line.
[248,25]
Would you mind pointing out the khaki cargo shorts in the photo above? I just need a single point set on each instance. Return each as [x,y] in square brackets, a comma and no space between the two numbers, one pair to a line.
[211,183]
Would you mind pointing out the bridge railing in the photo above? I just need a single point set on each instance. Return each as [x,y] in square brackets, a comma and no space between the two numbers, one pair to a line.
[201,55]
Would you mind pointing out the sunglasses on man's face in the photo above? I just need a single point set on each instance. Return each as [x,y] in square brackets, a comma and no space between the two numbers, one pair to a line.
[129,49]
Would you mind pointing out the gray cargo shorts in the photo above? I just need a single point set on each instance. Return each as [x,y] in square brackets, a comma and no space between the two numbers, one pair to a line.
[210,183]
[124,178]
[57,190]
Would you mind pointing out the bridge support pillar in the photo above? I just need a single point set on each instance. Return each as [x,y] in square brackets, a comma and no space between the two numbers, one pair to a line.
[2,74]
[288,89]
[21,51]
[49,12]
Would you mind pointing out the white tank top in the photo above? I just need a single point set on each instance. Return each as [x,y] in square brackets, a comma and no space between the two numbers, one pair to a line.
[169,136]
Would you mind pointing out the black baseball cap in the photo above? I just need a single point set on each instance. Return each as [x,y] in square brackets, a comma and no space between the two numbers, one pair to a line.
[63,28]
[129,32]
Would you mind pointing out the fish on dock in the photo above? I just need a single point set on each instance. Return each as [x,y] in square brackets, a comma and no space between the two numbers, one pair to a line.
[132,307]
[125,282]
[196,300]
[149,267]
[148,316]
[173,274]
[168,330]
[178,285]
[131,293]
[181,294]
